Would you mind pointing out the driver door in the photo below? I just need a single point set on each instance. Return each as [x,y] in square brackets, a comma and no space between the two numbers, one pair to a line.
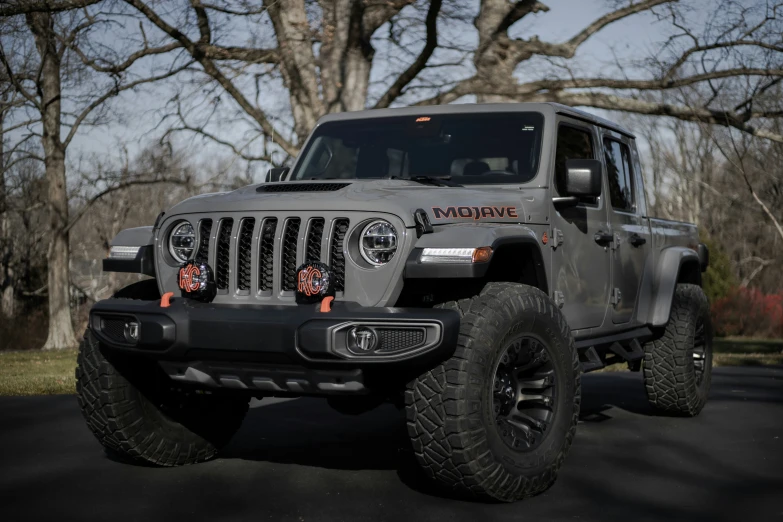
[580,265]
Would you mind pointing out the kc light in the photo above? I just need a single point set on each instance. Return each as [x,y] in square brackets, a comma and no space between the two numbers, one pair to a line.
[456,255]
[182,241]
[378,242]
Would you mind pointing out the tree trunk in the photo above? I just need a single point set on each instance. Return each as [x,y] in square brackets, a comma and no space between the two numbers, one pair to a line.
[60,328]
[6,272]
[298,67]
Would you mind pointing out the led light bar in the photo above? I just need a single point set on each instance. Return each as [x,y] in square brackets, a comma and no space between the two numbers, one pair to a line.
[123,252]
[456,255]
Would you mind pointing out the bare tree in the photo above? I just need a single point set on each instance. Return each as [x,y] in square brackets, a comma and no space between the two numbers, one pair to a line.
[324,53]
[46,76]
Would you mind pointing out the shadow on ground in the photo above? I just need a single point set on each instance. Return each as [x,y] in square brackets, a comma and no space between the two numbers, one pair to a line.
[300,460]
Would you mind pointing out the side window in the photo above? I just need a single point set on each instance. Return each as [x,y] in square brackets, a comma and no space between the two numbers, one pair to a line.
[572,143]
[618,170]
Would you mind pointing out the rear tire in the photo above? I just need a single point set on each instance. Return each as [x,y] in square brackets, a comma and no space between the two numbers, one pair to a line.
[134,412]
[465,435]
[678,365]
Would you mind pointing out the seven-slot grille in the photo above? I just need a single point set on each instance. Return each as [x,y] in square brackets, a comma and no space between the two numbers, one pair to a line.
[271,246]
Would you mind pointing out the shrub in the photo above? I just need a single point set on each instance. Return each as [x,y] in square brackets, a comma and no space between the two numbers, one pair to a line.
[719,280]
[748,312]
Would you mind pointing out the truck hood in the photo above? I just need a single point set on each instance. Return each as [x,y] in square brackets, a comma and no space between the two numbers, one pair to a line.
[444,205]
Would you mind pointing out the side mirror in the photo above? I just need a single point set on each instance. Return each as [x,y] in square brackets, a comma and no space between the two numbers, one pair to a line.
[276,174]
[583,178]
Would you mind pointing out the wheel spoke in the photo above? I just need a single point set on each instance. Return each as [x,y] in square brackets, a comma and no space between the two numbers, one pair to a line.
[524,393]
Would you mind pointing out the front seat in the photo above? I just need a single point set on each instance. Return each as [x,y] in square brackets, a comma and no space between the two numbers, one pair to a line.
[475,168]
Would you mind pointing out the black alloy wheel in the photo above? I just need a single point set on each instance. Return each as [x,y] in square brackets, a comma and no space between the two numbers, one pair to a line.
[524,393]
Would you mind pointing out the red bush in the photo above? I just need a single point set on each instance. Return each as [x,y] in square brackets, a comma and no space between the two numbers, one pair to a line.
[748,312]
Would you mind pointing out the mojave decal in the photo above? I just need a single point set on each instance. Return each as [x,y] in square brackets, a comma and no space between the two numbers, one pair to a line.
[475,213]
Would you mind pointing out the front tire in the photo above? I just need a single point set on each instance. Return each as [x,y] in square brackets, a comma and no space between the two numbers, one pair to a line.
[496,419]
[678,365]
[134,412]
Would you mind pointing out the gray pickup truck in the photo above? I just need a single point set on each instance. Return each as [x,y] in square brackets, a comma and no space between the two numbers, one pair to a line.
[466,263]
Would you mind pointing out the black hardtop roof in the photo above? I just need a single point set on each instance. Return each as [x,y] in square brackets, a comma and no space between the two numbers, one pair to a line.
[468,108]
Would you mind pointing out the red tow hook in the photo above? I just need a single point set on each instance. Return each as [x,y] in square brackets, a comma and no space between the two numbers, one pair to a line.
[326,304]
[165,301]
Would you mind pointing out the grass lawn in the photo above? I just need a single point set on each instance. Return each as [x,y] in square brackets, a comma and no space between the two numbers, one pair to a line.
[35,372]
[46,373]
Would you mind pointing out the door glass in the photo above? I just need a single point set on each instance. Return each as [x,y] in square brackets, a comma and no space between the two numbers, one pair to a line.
[572,143]
[618,167]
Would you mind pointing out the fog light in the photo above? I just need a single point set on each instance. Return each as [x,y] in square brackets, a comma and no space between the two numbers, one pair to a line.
[362,340]
[132,331]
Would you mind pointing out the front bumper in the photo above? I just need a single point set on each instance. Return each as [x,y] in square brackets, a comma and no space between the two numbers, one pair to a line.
[277,349]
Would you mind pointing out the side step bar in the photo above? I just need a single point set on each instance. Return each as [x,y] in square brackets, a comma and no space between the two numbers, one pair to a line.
[625,345]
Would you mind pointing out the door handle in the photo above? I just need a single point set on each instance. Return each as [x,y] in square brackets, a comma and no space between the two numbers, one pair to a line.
[636,240]
[603,238]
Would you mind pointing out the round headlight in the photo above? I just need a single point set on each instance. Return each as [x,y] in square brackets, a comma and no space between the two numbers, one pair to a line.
[378,242]
[182,242]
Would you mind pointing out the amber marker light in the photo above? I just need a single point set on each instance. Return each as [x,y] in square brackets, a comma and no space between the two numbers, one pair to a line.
[482,254]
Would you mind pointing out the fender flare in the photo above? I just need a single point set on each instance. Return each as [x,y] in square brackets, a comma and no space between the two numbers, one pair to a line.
[143,262]
[672,263]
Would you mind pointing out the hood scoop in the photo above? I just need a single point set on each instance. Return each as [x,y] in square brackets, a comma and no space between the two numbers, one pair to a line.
[301,187]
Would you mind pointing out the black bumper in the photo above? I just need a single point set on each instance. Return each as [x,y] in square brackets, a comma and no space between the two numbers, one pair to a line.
[276,349]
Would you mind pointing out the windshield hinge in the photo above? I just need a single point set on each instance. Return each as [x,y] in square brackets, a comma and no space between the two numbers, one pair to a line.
[422,220]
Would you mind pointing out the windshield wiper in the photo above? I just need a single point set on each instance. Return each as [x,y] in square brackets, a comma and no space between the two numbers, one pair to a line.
[438,181]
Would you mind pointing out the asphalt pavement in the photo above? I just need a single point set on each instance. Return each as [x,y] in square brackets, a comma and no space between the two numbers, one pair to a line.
[298,460]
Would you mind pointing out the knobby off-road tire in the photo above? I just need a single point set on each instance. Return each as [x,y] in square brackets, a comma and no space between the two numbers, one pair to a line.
[678,365]
[134,412]
[451,410]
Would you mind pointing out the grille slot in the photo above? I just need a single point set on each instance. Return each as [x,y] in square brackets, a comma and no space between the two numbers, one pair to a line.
[314,236]
[302,187]
[204,230]
[337,257]
[266,257]
[223,254]
[290,240]
[395,339]
[244,260]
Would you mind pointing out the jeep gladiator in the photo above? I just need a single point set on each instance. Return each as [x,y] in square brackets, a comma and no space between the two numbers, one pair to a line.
[464,262]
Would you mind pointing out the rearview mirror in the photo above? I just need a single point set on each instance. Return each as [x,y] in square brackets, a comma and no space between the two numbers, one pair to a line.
[276,174]
[583,178]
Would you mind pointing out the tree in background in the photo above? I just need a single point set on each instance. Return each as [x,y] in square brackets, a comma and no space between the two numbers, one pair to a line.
[40,59]
[322,56]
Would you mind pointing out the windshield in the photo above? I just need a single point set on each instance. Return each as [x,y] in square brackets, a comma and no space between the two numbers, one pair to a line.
[468,148]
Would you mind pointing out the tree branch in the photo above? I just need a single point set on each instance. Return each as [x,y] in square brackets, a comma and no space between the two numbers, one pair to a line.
[654,84]
[123,185]
[114,92]
[199,54]
[416,67]
[37,6]
[526,48]
[695,114]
